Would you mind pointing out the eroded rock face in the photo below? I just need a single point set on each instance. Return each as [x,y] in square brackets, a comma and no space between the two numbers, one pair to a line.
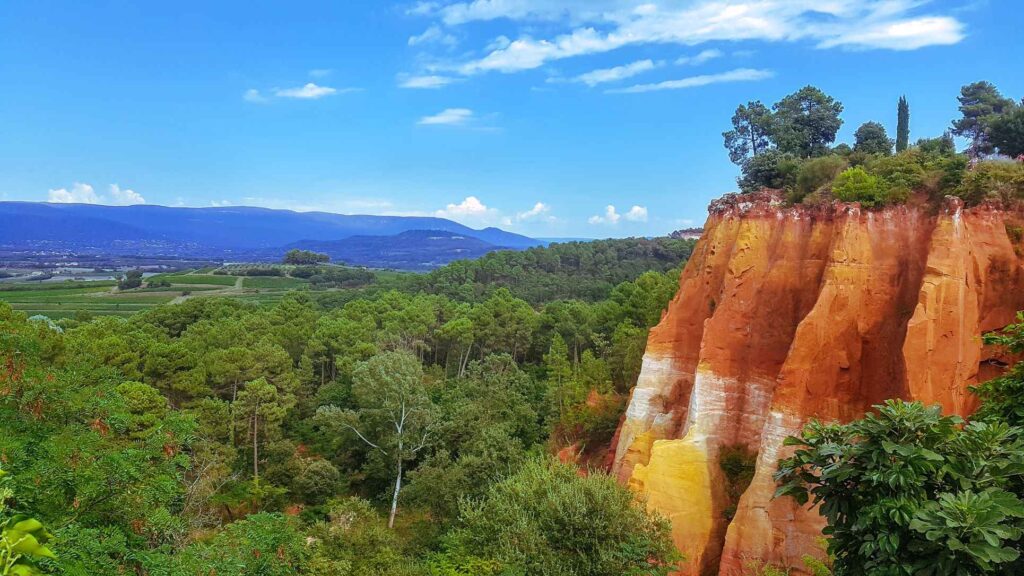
[787,313]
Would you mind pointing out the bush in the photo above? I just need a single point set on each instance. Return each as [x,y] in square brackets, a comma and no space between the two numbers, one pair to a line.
[815,174]
[547,520]
[997,180]
[856,185]
[772,169]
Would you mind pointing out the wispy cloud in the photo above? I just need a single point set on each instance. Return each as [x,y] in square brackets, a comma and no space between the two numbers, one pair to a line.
[434,35]
[702,58]
[448,117]
[320,72]
[308,91]
[425,82]
[598,26]
[81,193]
[601,76]
[737,75]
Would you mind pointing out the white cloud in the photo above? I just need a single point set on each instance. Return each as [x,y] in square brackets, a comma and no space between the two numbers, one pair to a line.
[738,75]
[472,212]
[309,91]
[903,35]
[637,214]
[598,26]
[79,194]
[595,77]
[85,194]
[253,95]
[220,203]
[703,57]
[539,212]
[320,72]
[610,217]
[125,196]
[426,82]
[434,35]
[449,117]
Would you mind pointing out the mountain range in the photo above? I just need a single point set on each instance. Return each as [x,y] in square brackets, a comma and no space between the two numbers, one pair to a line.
[237,233]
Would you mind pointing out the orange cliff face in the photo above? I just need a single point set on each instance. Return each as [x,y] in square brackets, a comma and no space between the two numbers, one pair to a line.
[787,313]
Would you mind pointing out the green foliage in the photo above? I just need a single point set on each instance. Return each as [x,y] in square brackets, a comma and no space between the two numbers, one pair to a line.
[995,180]
[1006,132]
[737,463]
[980,104]
[262,544]
[902,125]
[750,136]
[857,185]
[130,279]
[547,520]
[773,169]
[805,123]
[304,257]
[817,174]
[871,138]
[23,539]
[1002,399]
[586,271]
[909,491]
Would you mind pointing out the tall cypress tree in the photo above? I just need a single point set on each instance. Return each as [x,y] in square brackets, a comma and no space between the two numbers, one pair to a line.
[903,125]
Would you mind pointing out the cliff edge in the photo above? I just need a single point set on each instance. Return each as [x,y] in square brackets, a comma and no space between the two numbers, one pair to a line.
[785,313]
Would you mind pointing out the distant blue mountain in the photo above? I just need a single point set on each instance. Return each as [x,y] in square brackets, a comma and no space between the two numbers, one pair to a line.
[411,250]
[231,232]
[235,227]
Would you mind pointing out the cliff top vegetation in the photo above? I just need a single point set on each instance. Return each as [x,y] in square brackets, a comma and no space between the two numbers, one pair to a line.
[791,146]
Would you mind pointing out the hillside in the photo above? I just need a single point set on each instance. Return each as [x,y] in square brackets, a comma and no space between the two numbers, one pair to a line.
[411,250]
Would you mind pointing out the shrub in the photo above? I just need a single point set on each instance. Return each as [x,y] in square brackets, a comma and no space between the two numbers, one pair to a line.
[773,169]
[903,171]
[816,174]
[856,185]
[999,180]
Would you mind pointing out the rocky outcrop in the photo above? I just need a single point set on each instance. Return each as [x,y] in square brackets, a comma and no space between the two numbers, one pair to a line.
[786,313]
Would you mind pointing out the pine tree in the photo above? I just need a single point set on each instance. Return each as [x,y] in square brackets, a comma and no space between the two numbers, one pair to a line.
[902,125]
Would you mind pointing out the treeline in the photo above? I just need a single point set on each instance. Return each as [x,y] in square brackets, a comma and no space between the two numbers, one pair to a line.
[384,432]
[790,146]
[573,270]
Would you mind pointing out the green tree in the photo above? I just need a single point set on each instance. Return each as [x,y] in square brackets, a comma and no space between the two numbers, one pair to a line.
[806,122]
[1006,132]
[547,520]
[773,169]
[857,185]
[907,491]
[980,103]
[130,279]
[259,411]
[304,257]
[393,414]
[902,125]
[871,138]
[750,134]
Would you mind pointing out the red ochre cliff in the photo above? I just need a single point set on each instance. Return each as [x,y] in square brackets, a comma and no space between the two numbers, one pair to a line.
[790,312]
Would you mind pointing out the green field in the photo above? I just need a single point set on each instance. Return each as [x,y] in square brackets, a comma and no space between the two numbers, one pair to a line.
[101,298]
[274,282]
[207,279]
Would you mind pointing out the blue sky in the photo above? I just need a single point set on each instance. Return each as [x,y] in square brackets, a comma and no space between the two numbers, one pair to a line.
[537,116]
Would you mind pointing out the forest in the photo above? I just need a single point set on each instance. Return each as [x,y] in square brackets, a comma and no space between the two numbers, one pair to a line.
[398,429]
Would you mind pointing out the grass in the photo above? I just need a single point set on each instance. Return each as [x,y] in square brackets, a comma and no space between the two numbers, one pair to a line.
[202,279]
[273,282]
